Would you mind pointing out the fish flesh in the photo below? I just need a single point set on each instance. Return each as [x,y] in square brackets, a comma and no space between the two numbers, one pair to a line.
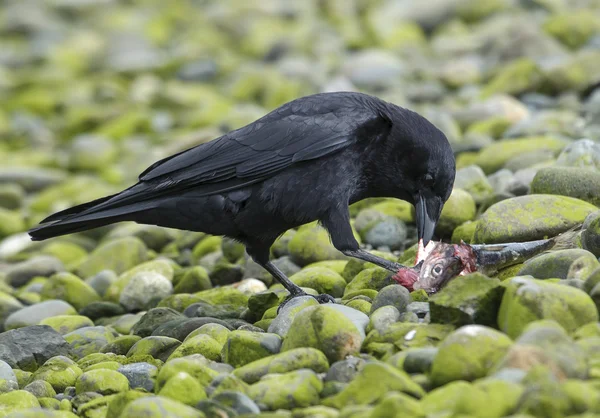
[440,262]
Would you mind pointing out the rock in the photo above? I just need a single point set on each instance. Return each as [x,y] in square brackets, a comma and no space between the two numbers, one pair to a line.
[583,153]
[372,68]
[208,245]
[544,396]
[226,295]
[28,347]
[158,406]
[223,273]
[237,401]
[153,319]
[65,324]
[69,253]
[310,244]
[194,279]
[31,179]
[470,299]
[243,347]
[575,182]
[590,237]
[181,329]
[91,152]
[195,365]
[282,323]
[516,77]
[40,389]
[34,314]
[389,232]
[199,344]
[394,295]
[103,381]
[372,278]
[345,371]
[560,264]
[118,255]
[155,287]
[459,208]
[468,354]
[8,305]
[464,232]
[322,279]
[472,179]
[493,157]
[299,358]
[296,389]
[528,218]
[99,310]
[87,340]
[204,309]
[383,317]
[164,268]
[381,378]
[39,266]
[17,400]
[183,388]
[60,371]
[6,373]
[572,28]
[323,328]
[120,345]
[70,288]
[140,375]
[526,300]
[157,347]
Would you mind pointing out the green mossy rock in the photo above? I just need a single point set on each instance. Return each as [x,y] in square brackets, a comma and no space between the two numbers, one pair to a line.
[322,279]
[325,329]
[11,222]
[159,407]
[335,265]
[217,331]
[468,354]
[183,388]
[243,347]
[400,209]
[43,412]
[404,335]
[310,244]
[575,73]
[153,319]
[64,324]
[163,267]
[380,378]
[11,196]
[103,381]
[70,288]
[179,302]
[572,28]
[61,372]
[69,253]
[296,389]
[225,295]
[89,340]
[232,250]
[208,245]
[531,217]
[397,404]
[121,345]
[299,358]
[579,183]
[470,299]
[583,396]
[118,255]
[372,278]
[458,209]
[493,157]
[544,396]
[120,401]
[194,279]
[464,232]
[516,77]
[195,365]
[200,344]
[561,264]
[526,300]
[17,400]
[157,347]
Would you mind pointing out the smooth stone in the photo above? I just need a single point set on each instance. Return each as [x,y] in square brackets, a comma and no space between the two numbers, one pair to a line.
[140,375]
[29,347]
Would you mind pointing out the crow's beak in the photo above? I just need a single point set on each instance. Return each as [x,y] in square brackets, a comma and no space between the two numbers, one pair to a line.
[427,218]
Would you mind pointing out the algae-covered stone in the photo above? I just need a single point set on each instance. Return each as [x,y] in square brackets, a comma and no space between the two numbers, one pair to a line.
[380,378]
[11,222]
[575,182]
[157,347]
[526,300]
[194,279]
[8,305]
[468,354]
[69,253]
[516,77]
[61,372]
[159,406]
[65,324]
[494,156]
[470,299]
[40,389]
[404,335]
[34,314]
[373,278]
[195,365]
[118,255]
[583,396]
[200,344]
[325,329]
[527,218]
[572,28]
[89,340]
[226,295]
[243,347]
[43,412]
[153,319]
[472,179]
[558,264]
[206,246]
[543,396]
[397,404]
[103,381]
[17,400]
[140,375]
[322,279]
[70,288]
[299,358]
[311,244]
[459,208]
[296,389]
[162,267]
[156,287]
[183,388]
[120,401]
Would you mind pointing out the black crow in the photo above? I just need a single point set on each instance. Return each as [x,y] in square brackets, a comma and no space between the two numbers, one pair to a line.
[304,161]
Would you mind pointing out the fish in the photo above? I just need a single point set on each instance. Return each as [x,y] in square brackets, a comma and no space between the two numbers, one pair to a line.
[439,262]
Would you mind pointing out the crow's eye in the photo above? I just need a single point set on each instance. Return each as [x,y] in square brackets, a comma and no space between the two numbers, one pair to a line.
[437,269]
[428,180]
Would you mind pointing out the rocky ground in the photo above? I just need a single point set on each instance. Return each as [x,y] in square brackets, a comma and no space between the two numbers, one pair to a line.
[138,321]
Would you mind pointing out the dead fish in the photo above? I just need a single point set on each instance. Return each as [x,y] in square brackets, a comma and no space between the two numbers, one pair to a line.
[439,262]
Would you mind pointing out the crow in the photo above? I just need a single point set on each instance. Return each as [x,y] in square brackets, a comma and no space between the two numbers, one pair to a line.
[304,161]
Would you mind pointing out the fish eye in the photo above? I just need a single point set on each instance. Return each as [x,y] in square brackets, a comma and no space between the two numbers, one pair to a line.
[437,269]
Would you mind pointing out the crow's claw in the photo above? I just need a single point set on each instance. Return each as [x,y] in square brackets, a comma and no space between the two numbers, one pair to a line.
[324,298]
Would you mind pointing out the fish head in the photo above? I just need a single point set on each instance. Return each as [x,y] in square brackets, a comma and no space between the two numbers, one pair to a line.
[442,265]
[407,277]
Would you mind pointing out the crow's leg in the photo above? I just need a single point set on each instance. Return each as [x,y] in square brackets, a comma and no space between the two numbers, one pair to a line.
[338,225]
[261,256]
